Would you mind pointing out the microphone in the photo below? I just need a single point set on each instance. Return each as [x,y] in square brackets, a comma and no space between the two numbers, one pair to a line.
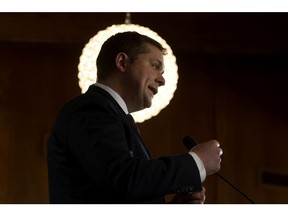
[190,142]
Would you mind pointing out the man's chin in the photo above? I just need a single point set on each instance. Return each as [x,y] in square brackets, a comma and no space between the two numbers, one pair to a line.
[148,104]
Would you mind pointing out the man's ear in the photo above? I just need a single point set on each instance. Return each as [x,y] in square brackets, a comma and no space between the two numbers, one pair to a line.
[121,61]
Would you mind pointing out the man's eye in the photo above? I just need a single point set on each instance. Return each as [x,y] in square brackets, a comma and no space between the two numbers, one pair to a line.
[156,67]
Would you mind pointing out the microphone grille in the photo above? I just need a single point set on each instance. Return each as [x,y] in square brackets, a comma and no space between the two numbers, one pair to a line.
[189,142]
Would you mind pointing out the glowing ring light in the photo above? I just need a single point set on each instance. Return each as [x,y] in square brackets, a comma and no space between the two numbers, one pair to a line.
[88,73]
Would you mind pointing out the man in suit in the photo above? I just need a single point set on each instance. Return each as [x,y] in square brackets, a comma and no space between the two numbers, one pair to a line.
[95,153]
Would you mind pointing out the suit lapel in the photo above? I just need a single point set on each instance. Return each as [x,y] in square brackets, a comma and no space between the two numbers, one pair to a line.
[95,89]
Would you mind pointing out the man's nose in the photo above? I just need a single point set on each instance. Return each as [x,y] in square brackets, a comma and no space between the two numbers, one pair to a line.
[161,80]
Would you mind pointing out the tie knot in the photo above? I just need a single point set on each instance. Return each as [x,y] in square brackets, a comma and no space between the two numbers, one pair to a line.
[131,119]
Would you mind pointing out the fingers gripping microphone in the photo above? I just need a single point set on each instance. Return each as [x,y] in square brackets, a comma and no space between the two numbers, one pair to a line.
[190,142]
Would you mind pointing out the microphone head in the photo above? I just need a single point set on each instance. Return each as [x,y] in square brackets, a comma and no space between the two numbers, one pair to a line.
[189,142]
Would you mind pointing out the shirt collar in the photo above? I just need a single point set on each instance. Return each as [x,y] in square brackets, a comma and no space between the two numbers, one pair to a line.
[115,95]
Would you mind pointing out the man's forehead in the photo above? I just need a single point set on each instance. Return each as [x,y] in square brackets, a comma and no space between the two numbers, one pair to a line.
[156,51]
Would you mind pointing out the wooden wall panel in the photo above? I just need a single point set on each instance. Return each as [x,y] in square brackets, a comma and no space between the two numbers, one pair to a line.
[231,87]
[251,124]
[37,80]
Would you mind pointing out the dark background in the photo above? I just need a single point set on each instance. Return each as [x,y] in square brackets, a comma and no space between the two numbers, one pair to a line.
[232,87]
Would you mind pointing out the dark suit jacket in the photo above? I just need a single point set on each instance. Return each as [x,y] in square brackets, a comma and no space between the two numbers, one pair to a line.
[95,155]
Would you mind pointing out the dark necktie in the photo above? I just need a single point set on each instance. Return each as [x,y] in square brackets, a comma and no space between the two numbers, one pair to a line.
[133,123]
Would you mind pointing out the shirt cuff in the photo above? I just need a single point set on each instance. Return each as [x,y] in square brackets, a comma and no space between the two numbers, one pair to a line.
[200,165]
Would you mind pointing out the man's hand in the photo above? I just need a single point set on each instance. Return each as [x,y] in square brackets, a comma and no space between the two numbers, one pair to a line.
[190,198]
[210,154]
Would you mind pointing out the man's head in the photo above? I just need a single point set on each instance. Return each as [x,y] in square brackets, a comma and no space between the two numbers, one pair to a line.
[132,64]
[131,43]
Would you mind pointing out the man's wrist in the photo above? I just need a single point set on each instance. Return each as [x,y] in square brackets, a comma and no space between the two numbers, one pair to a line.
[200,165]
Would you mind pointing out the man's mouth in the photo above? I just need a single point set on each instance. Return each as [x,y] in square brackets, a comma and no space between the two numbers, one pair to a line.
[153,90]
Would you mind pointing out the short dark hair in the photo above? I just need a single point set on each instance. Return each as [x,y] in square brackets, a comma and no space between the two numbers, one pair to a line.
[131,43]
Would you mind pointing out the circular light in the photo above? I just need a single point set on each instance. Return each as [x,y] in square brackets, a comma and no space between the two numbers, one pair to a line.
[88,73]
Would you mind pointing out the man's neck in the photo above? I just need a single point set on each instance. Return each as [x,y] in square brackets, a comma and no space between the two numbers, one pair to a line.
[115,95]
